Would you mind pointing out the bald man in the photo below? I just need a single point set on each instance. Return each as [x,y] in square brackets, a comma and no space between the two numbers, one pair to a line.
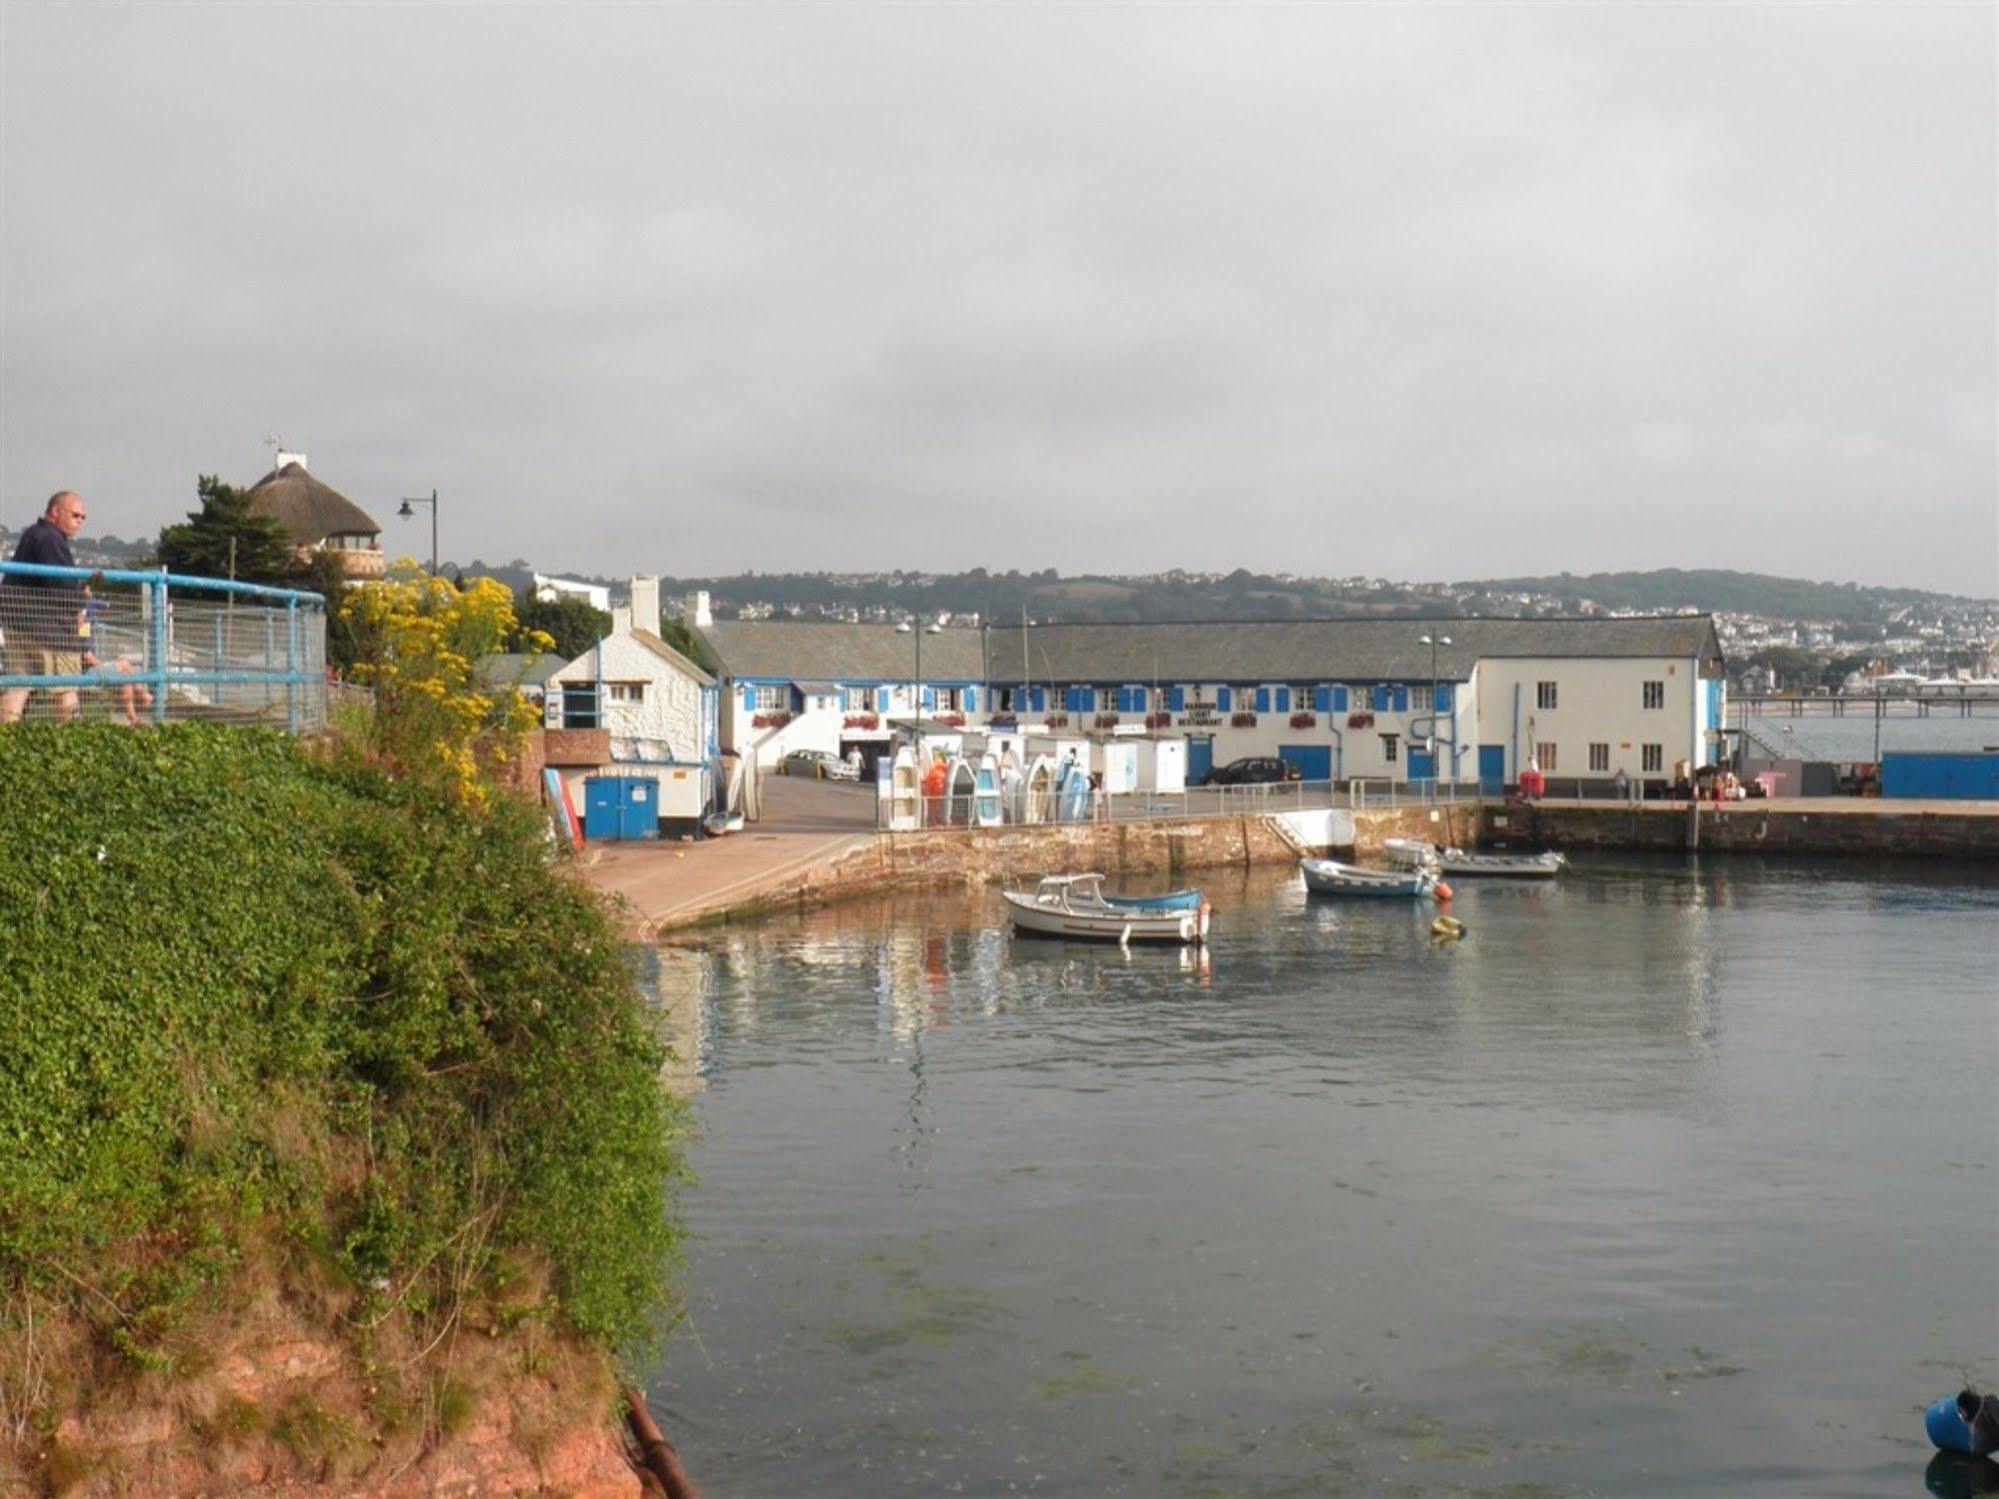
[44,616]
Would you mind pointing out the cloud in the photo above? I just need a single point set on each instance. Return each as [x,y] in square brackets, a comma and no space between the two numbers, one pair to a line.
[702,288]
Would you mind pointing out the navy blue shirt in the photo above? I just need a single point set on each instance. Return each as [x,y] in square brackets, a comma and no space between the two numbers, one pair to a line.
[44,542]
[20,615]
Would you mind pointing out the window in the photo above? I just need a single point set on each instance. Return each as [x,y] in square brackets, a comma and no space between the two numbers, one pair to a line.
[950,699]
[1599,757]
[1004,699]
[1419,697]
[624,692]
[1388,747]
[1655,694]
[1544,754]
[1244,698]
[1544,697]
[579,705]
[1652,757]
[773,699]
[855,699]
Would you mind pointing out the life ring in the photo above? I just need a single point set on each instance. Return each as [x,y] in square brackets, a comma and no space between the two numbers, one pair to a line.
[1447,927]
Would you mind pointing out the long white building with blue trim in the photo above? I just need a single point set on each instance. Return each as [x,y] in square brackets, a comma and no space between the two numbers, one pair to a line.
[1341,699]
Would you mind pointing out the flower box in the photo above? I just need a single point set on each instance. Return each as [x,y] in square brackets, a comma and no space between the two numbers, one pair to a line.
[951,720]
[862,721]
[1107,720]
[1242,720]
[1360,720]
[1158,720]
[1004,723]
[770,720]
[1303,720]
[1058,720]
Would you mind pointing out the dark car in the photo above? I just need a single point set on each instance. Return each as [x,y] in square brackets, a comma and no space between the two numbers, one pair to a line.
[1251,770]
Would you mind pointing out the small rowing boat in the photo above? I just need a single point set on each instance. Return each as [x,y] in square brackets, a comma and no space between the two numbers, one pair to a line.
[1330,877]
[1074,905]
[1414,853]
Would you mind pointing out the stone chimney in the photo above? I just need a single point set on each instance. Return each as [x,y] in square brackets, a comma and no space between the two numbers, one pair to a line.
[698,613]
[645,603]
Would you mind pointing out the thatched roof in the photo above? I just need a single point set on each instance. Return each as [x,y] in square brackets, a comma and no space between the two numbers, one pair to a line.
[308,510]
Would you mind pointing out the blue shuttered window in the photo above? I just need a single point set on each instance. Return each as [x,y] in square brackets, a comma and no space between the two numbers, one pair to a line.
[929,698]
[1223,697]
[1176,699]
[1037,698]
[1339,700]
[1284,700]
[1263,699]
[749,700]
[1322,699]
[881,700]
[971,699]
[1443,697]
[1380,699]
[1402,700]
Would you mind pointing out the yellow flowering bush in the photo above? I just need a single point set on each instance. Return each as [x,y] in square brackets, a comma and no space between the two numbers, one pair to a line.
[417,638]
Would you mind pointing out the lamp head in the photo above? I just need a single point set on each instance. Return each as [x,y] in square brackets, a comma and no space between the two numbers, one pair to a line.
[406,512]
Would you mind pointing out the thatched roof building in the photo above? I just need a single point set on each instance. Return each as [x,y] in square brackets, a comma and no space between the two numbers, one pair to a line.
[318,517]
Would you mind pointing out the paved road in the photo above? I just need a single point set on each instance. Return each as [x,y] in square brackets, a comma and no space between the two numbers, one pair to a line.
[665,883]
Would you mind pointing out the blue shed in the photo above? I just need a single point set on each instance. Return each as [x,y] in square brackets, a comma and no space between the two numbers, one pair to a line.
[620,807]
[1960,777]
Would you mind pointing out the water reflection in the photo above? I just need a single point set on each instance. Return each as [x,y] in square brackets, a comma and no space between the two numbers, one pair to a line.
[1600,1199]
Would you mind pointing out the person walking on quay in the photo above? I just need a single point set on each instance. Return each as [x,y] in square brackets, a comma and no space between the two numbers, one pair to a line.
[44,617]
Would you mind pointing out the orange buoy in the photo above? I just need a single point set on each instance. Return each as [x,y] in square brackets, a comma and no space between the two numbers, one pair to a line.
[1441,890]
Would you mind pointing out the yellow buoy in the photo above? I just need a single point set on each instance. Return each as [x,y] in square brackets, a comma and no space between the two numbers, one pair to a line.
[1447,926]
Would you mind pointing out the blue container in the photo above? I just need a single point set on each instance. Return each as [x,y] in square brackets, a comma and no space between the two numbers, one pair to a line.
[1946,1425]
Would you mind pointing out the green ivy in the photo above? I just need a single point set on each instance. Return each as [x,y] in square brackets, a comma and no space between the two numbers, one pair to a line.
[245,986]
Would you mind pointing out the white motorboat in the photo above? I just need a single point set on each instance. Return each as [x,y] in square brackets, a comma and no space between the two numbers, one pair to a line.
[1414,853]
[1330,877]
[1074,905]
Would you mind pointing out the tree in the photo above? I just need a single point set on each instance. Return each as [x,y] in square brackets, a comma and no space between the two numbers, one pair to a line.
[223,539]
[572,623]
[417,640]
[677,633]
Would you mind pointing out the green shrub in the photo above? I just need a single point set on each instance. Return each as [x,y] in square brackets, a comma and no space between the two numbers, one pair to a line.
[246,989]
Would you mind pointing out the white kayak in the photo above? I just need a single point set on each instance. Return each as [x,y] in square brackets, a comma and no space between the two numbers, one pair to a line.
[1413,853]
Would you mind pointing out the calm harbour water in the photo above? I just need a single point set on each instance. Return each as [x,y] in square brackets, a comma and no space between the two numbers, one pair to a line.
[1674,1177]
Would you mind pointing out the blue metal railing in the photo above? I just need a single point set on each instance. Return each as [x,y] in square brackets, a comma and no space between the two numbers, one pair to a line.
[189,647]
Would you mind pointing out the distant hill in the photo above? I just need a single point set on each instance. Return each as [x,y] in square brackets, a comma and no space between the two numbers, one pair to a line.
[1712,589]
[1048,596]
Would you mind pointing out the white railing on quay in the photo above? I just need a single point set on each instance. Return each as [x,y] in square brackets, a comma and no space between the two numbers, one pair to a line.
[1023,808]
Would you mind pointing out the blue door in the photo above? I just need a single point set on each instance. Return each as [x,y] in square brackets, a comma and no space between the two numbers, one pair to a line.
[1422,766]
[602,798]
[1492,768]
[1314,761]
[1200,760]
[638,809]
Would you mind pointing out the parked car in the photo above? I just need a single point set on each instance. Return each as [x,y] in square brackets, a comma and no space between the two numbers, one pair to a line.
[819,765]
[1251,770]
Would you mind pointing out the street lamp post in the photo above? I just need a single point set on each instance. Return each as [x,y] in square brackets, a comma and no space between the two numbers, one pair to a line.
[1433,641]
[406,513]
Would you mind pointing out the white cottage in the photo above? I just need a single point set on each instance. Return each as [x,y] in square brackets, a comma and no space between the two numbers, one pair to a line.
[658,707]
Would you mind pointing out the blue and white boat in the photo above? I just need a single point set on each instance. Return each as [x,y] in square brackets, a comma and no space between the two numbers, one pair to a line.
[1074,905]
[1330,877]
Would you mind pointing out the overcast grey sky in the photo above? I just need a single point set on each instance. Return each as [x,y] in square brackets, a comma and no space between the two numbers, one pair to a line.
[1424,290]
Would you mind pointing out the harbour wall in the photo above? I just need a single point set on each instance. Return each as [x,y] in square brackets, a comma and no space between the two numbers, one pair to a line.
[943,857]
[1842,828]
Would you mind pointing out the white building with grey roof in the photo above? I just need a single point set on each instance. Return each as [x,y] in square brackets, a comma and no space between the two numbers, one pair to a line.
[1340,699]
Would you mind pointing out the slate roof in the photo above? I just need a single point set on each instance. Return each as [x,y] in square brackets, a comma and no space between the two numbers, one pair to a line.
[794,650]
[667,653]
[309,510]
[1849,739]
[1325,649]
[516,669]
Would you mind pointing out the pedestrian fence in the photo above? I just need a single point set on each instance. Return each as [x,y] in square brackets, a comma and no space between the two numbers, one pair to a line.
[1021,807]
[154,647]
